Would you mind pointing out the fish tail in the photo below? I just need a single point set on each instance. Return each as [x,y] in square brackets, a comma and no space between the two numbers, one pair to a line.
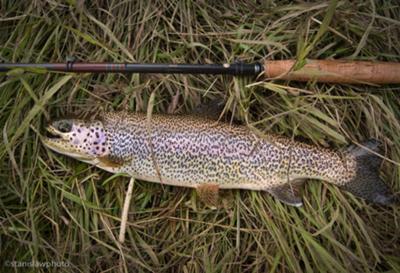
[366,183]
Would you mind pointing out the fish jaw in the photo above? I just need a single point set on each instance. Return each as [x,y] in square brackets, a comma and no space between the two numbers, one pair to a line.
[61,144]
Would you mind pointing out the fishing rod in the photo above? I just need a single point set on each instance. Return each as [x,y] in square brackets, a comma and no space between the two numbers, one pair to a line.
[329,71]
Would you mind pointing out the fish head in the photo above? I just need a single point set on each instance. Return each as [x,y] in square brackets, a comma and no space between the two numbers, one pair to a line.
[79,139]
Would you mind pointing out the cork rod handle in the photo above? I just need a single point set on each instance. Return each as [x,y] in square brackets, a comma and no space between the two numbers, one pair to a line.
[335,71]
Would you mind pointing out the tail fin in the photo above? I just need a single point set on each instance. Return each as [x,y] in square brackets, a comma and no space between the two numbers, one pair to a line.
[367,184]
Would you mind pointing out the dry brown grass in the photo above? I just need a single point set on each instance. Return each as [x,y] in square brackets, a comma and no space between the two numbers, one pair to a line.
[53,208]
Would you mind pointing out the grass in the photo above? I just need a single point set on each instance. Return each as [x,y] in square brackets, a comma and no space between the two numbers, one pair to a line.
[53,208]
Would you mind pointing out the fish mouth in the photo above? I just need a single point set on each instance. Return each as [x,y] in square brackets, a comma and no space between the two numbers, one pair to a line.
[54,136]
[60,143]
[53,133]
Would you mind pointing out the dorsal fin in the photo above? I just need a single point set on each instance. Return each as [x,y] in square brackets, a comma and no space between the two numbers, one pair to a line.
[212,109]
[289,193]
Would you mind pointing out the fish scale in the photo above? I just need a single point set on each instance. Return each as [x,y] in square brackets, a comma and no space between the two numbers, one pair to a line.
[193,150]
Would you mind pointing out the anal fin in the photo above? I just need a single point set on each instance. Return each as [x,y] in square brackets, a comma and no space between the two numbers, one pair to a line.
[289,193]
[209,194]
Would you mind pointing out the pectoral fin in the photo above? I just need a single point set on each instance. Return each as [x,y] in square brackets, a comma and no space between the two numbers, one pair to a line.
[107,162]
[209,194]
[289,193]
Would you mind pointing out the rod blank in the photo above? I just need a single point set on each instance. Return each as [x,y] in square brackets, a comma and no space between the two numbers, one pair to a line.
[237,69]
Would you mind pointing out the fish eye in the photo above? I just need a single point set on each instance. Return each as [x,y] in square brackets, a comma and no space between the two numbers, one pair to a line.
[64,126]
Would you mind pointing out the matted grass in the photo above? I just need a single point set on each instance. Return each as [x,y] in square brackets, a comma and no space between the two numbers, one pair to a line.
[53,208]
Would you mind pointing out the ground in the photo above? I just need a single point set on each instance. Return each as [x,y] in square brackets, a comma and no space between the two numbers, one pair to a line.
[65,216]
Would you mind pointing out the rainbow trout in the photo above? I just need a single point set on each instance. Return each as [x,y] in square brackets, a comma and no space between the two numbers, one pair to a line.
[201,153]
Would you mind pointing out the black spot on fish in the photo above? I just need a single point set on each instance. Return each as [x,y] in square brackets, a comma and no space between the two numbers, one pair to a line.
[95,143]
